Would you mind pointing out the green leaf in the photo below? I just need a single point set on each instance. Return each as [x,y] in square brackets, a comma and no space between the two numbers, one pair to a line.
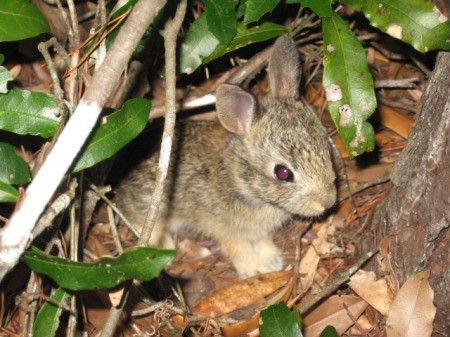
[13,169]
[20,19]
[241,8]
[221,19]
[245,37]
[329,331]
[8,193]
[198,43]
[140,263]
[416,22]
[28,112]
[255,9]
[279,321]
[47,319]
[348,85]
[5,77]
[117,130]
[322,8]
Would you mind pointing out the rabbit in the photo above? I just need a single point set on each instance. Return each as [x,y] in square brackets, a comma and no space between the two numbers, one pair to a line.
[239,178]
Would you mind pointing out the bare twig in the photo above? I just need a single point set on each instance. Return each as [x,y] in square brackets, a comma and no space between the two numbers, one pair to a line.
[60,204]
[57,90]
[115,209]
[114,232]
[331,288]
[170,37]
[421,66]
[401,83]
[252,67]
[365,186]
[101,17]
[401,103]
[388,53]
[170,41]
[74,39]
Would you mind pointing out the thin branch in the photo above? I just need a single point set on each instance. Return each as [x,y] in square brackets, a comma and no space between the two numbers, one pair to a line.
[365,186]
[115,209]
[401,83]
[57,90]
[60,204]
[331,288]
[114,232]
[170,37]
[170,34]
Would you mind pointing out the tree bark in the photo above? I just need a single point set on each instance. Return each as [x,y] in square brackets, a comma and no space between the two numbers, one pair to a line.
[412,221]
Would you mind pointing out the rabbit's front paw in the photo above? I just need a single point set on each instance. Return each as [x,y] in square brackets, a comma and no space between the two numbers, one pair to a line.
[253,258]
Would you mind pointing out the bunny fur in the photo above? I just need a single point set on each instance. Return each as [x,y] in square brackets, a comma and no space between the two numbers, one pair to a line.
[222,179]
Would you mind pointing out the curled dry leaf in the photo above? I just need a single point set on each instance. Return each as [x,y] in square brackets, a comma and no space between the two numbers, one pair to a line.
[334,311]
[251,326]
[376,293]
[242,293]
[412,311]
[308,264]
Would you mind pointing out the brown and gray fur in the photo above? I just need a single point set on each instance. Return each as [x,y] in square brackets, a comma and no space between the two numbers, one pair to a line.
[221,180]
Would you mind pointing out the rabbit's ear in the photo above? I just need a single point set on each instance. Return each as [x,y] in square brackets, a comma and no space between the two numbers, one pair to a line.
[236,108]
[285,69]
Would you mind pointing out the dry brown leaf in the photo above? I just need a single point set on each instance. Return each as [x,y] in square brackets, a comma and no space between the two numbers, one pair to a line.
[412,311]
[307,269]
[242,293]
[308,264]
[240,328]
[321,245]
[334,311]
[395,121]
[363,327]
[376,293]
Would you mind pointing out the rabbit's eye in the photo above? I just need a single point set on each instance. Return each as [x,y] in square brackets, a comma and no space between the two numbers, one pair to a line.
[283,174]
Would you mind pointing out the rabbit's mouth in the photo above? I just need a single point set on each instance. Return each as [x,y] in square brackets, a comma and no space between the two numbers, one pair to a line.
[313,205]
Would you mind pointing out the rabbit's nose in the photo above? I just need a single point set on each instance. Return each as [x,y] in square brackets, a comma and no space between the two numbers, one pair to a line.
[329,197]
[324,199]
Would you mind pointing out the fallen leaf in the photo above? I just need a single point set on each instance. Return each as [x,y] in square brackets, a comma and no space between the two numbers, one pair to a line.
[250,326]
[321,245]
[412,311]
[374,292]
[364,325]
[242,294]
[307,269]
[335,312]
[395,121]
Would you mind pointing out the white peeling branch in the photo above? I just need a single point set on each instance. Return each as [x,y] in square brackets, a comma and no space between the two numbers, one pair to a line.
[15,236]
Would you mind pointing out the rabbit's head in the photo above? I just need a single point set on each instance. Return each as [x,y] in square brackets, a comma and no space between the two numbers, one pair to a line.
[282,155]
